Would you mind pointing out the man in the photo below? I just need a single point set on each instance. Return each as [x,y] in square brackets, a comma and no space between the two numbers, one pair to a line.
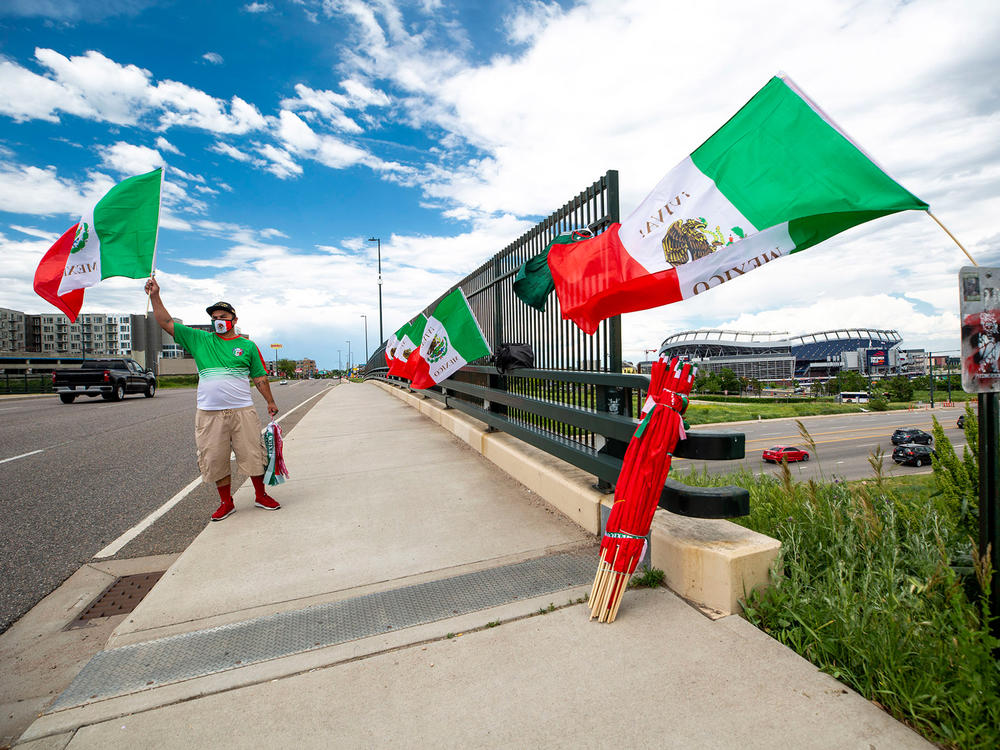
[226,419]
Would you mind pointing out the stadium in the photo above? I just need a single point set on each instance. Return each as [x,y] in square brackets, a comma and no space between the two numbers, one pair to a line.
[777,357]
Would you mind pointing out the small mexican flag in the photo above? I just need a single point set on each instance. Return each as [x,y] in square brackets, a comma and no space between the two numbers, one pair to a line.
[409,342]
[451,340]
[777,178]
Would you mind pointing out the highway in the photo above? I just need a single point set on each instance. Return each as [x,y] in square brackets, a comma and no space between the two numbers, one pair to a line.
[75,477]
[843,443]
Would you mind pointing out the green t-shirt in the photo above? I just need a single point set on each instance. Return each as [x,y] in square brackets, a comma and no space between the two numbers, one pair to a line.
[225,367]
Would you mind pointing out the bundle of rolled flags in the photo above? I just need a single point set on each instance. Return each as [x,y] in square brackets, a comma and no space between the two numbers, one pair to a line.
[275,472]
[640,483]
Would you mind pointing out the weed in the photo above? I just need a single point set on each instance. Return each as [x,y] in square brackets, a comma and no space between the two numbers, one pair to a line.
[649,578]
[492,623]
[450,635]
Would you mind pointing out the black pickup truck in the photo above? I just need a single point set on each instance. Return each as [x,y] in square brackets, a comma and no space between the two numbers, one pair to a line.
[110,379]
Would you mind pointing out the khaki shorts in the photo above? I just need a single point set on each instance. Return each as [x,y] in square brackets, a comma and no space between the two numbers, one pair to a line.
[219,433]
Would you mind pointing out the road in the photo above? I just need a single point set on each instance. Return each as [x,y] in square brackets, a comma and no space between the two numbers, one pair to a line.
[76,477]
[843,443]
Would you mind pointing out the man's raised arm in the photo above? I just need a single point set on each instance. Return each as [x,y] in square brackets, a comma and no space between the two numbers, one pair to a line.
[159,311]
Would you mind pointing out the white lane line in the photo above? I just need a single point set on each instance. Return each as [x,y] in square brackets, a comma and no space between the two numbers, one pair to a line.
[23,455]
[149,520]
[145,523]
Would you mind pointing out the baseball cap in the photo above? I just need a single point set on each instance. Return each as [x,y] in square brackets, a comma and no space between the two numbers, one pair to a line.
[221,306]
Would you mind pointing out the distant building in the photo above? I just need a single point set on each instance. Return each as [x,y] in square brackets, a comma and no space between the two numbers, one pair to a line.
[306,368]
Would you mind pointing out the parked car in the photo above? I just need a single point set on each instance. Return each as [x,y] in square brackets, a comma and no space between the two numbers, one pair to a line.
[788,453]
[961,421]
[110,379]
[914,454]
[908,435]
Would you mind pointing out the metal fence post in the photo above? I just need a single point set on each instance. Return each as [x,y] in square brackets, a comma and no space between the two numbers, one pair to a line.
[989,497]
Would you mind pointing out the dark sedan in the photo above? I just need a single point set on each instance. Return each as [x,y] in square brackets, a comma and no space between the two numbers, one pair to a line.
[913,454]
[910,435]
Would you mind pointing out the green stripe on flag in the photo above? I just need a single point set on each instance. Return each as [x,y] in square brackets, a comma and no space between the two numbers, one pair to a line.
[125,220]
[777,160]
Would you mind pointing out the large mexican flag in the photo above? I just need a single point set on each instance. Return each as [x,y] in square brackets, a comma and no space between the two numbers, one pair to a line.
[778,178]
[117,237]
[452,339]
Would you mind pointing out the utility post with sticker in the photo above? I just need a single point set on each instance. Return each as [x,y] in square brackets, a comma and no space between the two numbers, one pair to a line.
[979,308]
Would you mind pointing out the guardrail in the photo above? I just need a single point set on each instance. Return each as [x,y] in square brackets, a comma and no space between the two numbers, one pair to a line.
[586,419]
[22,382]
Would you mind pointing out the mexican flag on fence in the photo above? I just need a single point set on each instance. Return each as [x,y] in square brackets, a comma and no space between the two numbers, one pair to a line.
[117,237]
[452,339]
[390,346]
[409,342]
[779,177]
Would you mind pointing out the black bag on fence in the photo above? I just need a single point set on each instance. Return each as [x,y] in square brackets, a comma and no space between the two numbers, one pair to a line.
[513,357]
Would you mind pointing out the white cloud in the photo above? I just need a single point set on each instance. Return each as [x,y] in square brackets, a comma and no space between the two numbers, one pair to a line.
[213,57]
[97,88]
[231,151]
[164,145]
[279,162]
[257,7]
[128,160]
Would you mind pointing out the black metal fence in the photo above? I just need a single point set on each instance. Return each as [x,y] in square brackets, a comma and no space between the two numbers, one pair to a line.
[576,403]
[24,382]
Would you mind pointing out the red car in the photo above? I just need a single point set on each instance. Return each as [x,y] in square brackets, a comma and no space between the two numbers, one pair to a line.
[788,453]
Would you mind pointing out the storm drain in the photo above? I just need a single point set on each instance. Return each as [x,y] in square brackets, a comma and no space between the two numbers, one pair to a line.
[141,666]
[120,598]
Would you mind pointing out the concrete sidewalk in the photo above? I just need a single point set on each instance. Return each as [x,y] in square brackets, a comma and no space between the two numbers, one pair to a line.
[409,593]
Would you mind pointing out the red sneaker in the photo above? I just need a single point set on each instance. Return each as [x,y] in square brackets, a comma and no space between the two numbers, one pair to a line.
[267,503]
[225,510]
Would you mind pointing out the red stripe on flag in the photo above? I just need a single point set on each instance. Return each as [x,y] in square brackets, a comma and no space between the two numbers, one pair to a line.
[597,279]
[50,272]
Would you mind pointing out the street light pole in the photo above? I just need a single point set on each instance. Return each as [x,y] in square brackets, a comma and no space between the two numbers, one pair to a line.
[366,336]
[378,247]
[348,355]
[340,362]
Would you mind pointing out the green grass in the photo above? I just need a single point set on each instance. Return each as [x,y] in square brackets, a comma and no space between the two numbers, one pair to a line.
[177,381]
[711,413]
[941,395]
[876,589]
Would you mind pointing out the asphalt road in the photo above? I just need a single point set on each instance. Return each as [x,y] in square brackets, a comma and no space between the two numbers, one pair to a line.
[74,478]
[843,443]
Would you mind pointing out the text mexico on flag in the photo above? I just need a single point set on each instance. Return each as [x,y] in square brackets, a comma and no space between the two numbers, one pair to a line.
[452,338]
[118,236]
[779,177]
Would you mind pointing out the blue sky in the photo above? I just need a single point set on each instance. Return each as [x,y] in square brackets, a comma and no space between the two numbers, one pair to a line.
[293,130]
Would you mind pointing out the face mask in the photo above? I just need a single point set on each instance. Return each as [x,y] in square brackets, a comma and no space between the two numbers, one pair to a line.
[222,326]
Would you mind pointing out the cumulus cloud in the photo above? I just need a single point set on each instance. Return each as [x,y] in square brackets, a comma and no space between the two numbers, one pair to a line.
[257,7]
[95,87]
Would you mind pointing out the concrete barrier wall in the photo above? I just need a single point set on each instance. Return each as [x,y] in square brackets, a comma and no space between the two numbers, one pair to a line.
[711,563]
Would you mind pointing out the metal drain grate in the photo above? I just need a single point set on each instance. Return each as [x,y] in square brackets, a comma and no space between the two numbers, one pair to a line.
[129,669]
[120,598]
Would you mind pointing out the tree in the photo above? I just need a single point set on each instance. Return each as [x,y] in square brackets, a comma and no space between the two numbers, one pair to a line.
[728,380]
[899,388]
[849,380]
[287,366]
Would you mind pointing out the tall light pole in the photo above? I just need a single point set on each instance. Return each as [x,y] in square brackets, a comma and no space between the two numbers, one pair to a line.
[366,336]
[340,362]
[348,355]
[378,247]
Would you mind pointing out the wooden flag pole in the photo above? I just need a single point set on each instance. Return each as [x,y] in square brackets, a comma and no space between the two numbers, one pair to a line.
[953,238]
